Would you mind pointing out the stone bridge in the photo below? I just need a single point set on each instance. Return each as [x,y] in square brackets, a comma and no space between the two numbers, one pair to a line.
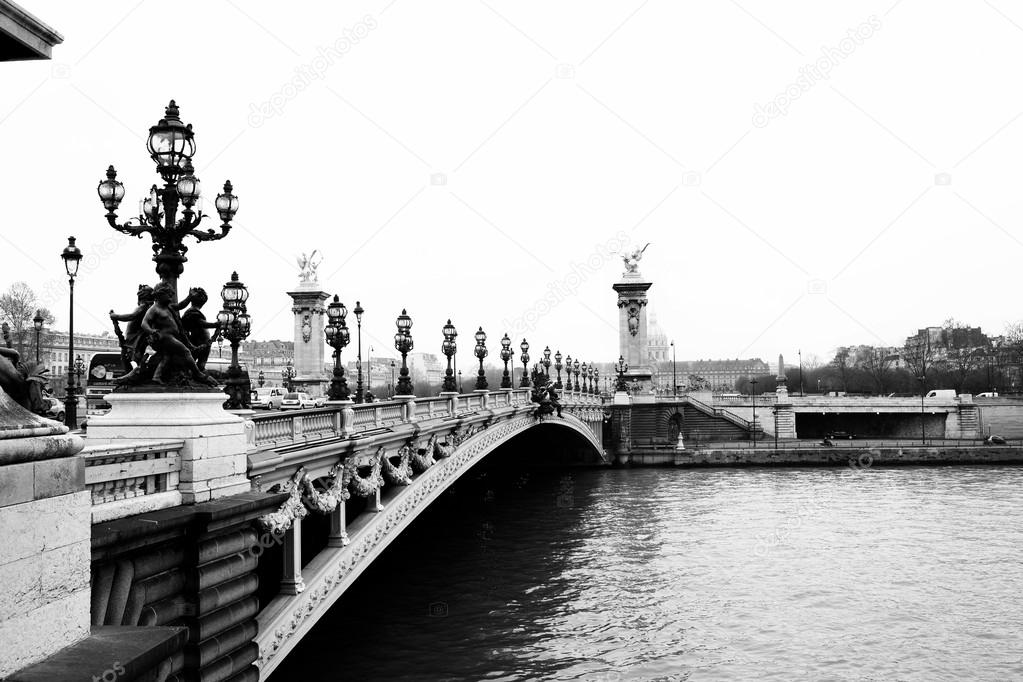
[245,530]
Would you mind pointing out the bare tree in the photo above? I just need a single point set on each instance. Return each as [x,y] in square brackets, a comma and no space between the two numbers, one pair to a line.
[919,355]
[843,362]
[18,307]
[878,362]
[964,352]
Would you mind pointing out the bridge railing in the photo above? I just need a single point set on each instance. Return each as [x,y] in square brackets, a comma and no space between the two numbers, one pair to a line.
[130,479]
[275,429]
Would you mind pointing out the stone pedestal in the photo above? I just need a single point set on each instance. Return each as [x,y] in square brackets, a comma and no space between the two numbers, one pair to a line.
[310,316]
[632,329]
[213,459]
[45,522]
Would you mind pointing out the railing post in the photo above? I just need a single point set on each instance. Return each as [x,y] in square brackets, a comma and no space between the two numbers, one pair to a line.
[345,421]
[291,580]
[338,535]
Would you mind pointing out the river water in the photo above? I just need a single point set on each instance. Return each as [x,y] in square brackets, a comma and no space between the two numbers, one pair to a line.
[906,573]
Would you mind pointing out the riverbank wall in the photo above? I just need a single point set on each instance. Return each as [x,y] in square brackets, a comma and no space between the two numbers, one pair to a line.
[710,456]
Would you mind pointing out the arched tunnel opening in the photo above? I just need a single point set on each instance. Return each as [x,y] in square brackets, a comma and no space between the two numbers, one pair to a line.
[476,523]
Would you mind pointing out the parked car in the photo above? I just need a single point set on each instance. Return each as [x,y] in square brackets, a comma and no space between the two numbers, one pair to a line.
[269,397]
[843,435]
[988,394]
[297,401]
[942,393]
[55,409]
[321,401]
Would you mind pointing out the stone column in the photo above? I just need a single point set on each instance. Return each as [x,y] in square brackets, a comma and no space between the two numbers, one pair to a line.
[338,536]
[291,580]
[632,329]
[310,316]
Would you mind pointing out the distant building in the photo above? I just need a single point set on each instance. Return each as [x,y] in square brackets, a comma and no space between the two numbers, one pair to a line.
[658,345]
[426,368]
[720,375]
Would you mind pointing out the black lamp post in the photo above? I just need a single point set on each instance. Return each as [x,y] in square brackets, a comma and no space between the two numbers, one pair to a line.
[392,378]
[459,381]
[261,379]
[507,354]
[338,336]
[235,322]
[546,362]
[621,368]
[481,352]
[403,344]
[575,367]
[557,368]
[753,399]
[37,324]
[171,145]
[674,378]
[287,374]
[525,364]
[584,387]
[923,392]
[359,393]
[72,256]
[449,347]
[568,373]
[596,380]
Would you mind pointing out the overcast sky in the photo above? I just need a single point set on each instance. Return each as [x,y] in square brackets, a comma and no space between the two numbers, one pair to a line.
[808,175]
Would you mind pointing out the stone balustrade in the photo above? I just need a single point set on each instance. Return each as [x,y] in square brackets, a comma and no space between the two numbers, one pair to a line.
[132,478]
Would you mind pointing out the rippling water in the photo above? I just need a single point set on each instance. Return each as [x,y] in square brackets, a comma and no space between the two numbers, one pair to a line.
[667,574]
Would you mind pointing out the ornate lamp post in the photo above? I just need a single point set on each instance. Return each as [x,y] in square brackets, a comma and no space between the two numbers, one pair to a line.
[481,352]
[459,381]
[392,379]
[449,348]
[171,146]
[575,367]
[37,324]
[546,362]
[507,354]
[359,393]
[557,368]
[568,373]
[403,344]
[584,387]
[753,400]
[261,379]
[621,368]
[235,322]
[338,336]
[287,374]
[596,380]
[72,256]
[525,364]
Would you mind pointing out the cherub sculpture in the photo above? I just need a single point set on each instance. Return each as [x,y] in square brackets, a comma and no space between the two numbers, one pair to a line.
[307,266]
[632,259]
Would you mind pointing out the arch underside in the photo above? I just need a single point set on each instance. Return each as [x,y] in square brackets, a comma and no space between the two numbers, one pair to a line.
[287,618]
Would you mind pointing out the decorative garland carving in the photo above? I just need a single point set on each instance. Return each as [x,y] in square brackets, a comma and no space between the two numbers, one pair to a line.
[367,540]
[400,474]
[366,486]
[279,522]
[326,501]
[422,458]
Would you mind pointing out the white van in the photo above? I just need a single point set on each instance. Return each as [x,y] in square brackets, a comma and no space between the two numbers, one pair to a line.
[942,393]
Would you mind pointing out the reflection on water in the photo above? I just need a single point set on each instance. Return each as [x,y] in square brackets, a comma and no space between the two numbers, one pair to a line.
[665,574]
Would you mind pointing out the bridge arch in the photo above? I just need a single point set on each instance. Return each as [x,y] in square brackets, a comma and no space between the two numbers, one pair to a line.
[287,618]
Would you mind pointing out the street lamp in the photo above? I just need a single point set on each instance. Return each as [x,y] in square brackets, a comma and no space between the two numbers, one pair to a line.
[557,368]
[72,256]
[525,364]
[923,391]
[235,325]
[674,379]
[596,380]
[568,373]
[507,354]
[37,324]
[575,367]
[338,336]
[261,379]
[391,387]
[171,146]
[449,347]
[481,352]
[800,372]
[459,381]
[546,362]
[753,399]
[584,387]
[621,368]
[287,374]
[403,344]
[359,393]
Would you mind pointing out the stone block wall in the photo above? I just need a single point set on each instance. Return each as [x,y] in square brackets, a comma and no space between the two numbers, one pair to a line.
[45,516]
